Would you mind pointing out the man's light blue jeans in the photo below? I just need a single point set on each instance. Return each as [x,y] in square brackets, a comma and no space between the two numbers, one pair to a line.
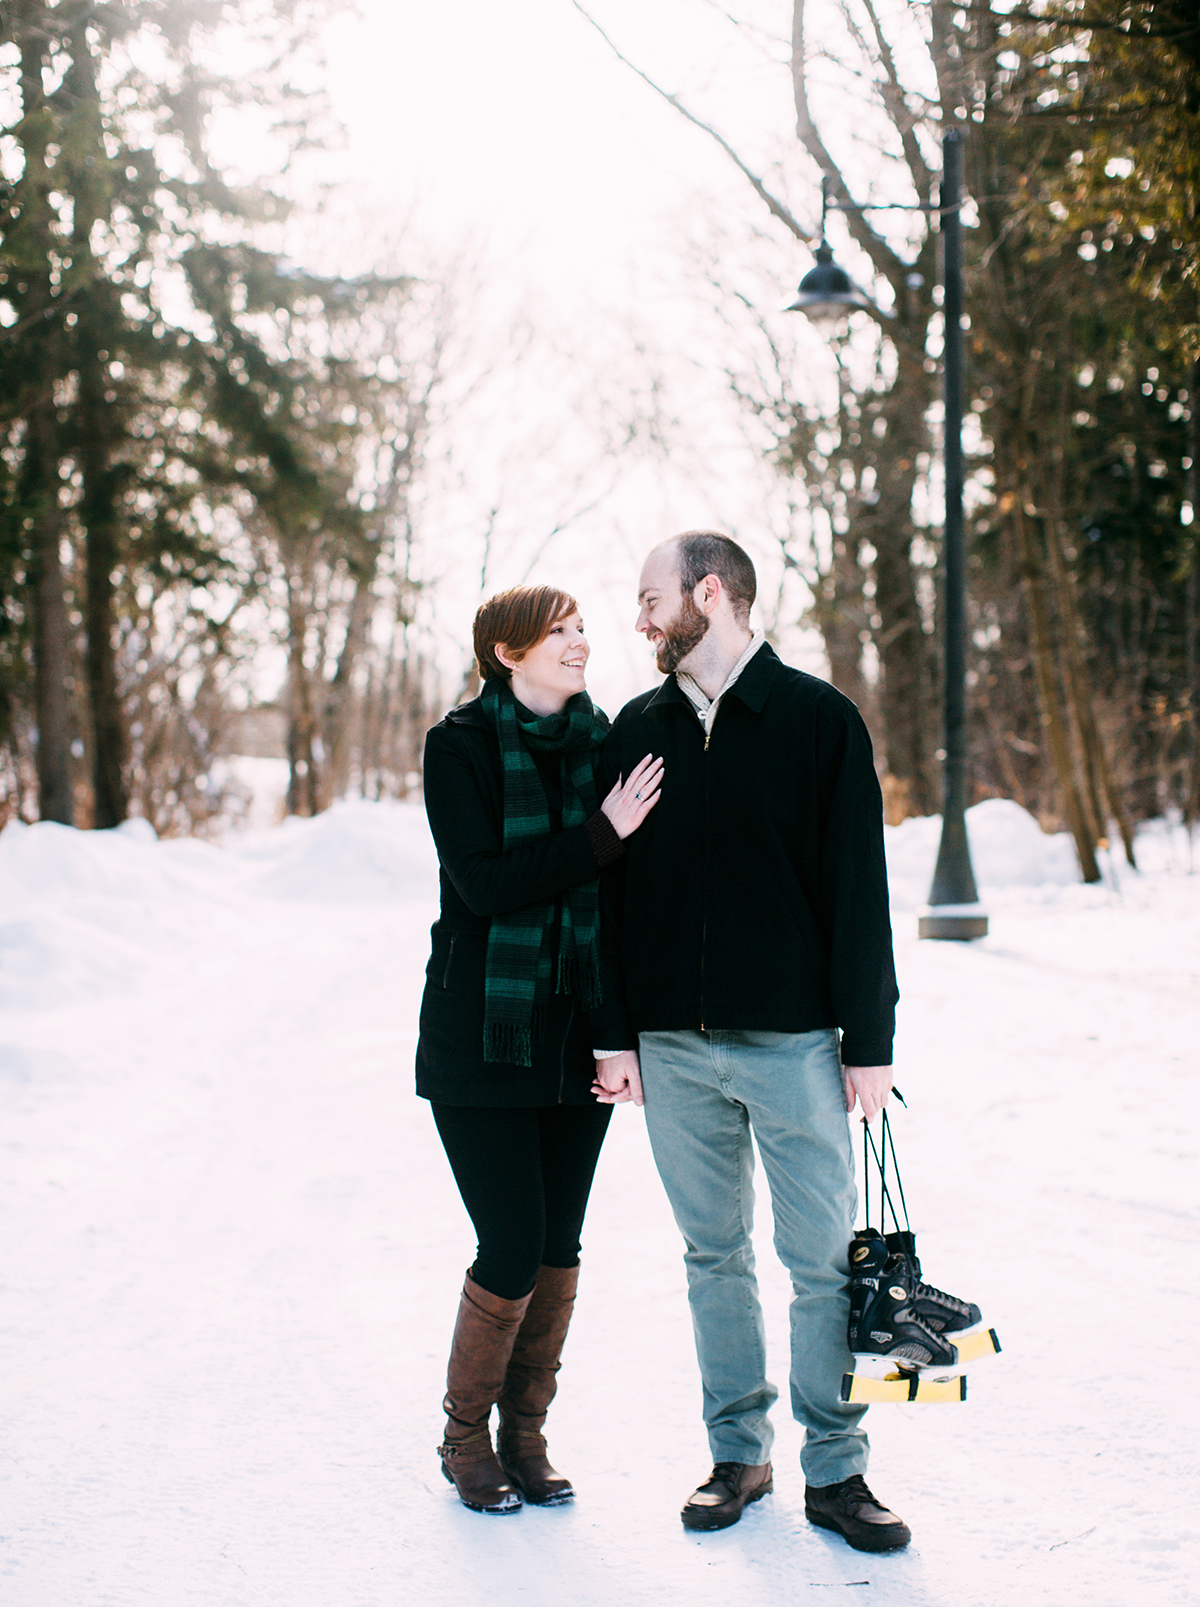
[705,1091]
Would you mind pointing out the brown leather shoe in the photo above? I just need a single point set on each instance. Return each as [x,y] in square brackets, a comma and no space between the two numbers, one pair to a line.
[849,1509]
[729,1488]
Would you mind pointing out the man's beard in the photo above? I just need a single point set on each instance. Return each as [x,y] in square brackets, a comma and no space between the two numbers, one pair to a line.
[685,632]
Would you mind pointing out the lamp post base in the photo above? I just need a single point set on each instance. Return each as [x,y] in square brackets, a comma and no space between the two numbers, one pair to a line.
[955,923]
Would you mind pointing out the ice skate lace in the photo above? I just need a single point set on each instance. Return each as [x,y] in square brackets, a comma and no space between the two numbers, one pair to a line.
[925,1291]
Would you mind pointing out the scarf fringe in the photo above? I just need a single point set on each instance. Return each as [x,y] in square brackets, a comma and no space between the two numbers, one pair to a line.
[581,980]
[508,1043]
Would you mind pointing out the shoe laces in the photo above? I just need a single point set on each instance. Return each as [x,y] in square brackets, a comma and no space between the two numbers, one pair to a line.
[856,1486]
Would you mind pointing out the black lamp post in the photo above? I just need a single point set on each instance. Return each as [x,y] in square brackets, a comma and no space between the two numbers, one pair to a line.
[827,294]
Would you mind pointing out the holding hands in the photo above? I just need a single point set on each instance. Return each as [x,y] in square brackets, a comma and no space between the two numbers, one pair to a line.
[628,804]
[618,1079]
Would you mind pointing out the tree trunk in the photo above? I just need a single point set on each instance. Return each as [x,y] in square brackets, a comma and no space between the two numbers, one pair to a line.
[99,514]
[302,793]
[1191,776]
[51,632]
[98,426]
[1057,736]
[111,805]
[39,489]
[1101,784]
[905,690]
[340,703]
[840,614]
[906,660]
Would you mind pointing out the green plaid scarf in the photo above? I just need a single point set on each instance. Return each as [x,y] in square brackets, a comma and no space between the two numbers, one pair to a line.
[517,980]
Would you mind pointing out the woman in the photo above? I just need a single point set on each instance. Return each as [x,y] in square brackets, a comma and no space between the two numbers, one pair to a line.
[512,1008]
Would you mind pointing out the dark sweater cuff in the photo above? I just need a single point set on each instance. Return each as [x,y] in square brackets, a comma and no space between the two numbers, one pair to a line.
[606,845]
[866,1052]
[610,1030]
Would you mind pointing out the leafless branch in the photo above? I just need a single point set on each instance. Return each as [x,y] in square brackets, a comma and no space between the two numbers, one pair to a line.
[751,28]
[566,522]
[896,101]
[881,254]
[775,205]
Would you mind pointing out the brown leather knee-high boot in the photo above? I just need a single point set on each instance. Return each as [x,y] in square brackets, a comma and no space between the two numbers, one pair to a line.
[484,1335]
[530,1385]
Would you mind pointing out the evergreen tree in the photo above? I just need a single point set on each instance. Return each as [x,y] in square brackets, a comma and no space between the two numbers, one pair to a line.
[111,209]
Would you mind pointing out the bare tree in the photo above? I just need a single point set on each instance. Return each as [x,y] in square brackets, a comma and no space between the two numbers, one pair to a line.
[883,435]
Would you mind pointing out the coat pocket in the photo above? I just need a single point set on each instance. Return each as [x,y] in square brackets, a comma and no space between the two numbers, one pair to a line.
[449,960]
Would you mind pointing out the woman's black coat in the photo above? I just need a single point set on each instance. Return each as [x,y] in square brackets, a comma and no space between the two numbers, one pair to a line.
[465,804]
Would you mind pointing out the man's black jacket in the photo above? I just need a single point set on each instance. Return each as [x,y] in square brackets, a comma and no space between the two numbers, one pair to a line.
[755,895]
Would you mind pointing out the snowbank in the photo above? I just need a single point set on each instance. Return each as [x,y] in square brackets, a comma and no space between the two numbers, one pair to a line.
[1008,850]
[361,852]
[107,912]
[103,912]
[358,852]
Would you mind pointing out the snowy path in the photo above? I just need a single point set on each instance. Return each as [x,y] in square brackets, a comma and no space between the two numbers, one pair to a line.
[230,1251]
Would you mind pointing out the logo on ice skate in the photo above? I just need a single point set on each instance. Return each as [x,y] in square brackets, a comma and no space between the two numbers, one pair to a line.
[897,1293]
[862,1251]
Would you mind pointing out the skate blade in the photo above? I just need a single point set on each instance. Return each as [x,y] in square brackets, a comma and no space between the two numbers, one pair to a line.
[859,1389]
[890,1368]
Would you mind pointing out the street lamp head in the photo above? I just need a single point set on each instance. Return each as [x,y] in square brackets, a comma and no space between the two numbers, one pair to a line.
[827,293]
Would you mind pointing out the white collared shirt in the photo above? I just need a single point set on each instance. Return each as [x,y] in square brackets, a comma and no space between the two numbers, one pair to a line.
[706,707]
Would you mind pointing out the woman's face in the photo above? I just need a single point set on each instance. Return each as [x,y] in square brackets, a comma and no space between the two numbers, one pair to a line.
[553,671]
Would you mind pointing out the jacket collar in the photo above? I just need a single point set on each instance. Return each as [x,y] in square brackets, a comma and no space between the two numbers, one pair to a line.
[475,715]
[753,685]
[469,714]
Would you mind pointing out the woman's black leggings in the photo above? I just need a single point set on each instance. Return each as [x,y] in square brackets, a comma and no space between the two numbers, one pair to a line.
[525,1175]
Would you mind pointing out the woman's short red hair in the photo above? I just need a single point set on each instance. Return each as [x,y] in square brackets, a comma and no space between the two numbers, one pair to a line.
[518,619]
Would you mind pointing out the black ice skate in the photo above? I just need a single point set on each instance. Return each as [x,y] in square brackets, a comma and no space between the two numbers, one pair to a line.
[945,1314]
[910,1341]
[884,1322]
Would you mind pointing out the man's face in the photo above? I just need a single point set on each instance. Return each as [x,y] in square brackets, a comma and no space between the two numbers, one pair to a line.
[668,617]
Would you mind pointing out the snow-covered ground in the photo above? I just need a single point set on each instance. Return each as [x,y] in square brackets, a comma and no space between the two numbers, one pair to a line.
[230,1251]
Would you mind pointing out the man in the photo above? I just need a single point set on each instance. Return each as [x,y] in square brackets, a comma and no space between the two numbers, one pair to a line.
[749,927]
